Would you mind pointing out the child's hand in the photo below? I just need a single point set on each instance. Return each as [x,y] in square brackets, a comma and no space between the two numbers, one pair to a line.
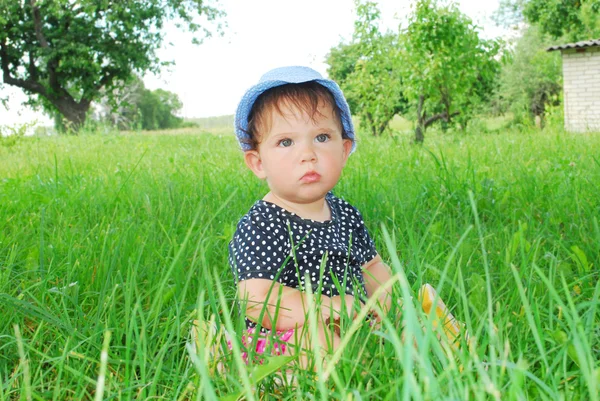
[341,304]
[385,305]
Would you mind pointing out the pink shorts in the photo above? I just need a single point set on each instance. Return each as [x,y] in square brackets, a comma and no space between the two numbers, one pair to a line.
[262,340]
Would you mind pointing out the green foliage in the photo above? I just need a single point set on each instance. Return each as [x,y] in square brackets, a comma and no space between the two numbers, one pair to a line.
[135,107]
[12,135]
[367,70]
[567,20]
[448,68]
[64,54]
[439,66]
[509,13]
[342,61]
[572,20]
[157,108]
[118,106]
[531,78]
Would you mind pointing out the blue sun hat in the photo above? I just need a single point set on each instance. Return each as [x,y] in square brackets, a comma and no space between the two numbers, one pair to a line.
[289,75]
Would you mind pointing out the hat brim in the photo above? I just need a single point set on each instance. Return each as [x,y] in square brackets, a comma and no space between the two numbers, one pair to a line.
[245,107]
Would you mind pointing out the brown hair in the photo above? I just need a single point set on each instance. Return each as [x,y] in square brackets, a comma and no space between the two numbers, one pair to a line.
[305,96]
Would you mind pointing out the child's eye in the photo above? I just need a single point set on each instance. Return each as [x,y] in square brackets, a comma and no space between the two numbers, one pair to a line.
[322,138]
[285,142]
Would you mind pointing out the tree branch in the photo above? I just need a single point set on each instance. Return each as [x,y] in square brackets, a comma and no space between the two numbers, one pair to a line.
[108,74]
[27,84]
[52,61]
[382,127]
[37,23]
[439,116]
[106,78]
[445,101]
[33,73]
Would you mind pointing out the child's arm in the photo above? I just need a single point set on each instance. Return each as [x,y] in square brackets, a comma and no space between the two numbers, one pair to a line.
[376,273]
[290,304]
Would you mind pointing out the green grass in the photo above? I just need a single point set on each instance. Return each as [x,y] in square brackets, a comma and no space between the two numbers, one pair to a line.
[115,244]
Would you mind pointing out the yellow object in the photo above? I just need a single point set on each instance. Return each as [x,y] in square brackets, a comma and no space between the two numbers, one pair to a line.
[451,327]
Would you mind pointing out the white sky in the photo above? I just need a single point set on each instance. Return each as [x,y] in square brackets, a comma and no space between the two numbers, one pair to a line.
[261,35]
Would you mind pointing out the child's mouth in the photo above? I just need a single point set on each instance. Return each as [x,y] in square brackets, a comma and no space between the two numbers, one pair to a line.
[310,177]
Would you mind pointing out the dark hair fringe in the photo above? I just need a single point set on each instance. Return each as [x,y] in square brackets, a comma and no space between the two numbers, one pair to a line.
[305,96]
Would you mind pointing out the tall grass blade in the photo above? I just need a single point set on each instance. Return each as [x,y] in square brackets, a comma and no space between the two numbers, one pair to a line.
[235,347]
[24,363]
[529,314]
[410,323]
[100,386]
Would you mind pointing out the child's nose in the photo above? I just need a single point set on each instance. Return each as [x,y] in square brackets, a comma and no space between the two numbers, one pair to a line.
[308,153]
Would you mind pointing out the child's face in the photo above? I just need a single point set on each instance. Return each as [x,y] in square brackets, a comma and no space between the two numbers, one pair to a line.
[301,158]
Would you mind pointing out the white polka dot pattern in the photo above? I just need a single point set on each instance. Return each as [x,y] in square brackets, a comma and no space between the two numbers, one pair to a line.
[273,243]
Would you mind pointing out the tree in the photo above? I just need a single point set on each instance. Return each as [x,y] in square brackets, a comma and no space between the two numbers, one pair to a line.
[133,106]
[118,107]
[367,70]
[448,68]
[342,61]
[64,54]
[571,20]
[531,78]
[157,109]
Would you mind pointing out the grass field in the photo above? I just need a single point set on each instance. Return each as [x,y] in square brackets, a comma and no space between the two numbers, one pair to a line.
[111,245]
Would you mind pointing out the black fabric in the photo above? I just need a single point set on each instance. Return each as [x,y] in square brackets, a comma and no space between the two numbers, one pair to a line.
[273,243]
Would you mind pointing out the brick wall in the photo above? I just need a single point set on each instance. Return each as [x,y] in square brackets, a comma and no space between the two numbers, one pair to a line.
[581,80]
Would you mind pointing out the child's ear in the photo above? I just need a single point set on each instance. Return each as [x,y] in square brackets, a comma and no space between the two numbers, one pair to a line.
[347,149]
[254,163]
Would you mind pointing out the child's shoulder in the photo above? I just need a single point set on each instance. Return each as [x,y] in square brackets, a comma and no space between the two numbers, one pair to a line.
[263,214]
[344,206]
[262,222]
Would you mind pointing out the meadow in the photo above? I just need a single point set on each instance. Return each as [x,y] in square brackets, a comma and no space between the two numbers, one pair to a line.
[112,245]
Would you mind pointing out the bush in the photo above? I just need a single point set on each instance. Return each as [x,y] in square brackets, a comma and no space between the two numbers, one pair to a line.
[11,135]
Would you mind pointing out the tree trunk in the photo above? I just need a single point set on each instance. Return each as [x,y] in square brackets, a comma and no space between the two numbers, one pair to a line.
[444,124]
[419,137]
[540,121]
[74,113]
[382,128]
[371,123]
[538,107]
[420,129]
[423,121]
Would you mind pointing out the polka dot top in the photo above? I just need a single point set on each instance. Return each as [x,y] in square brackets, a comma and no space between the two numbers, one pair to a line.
[273,243]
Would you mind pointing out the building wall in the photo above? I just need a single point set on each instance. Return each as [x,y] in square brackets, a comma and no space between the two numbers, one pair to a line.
[581,80]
